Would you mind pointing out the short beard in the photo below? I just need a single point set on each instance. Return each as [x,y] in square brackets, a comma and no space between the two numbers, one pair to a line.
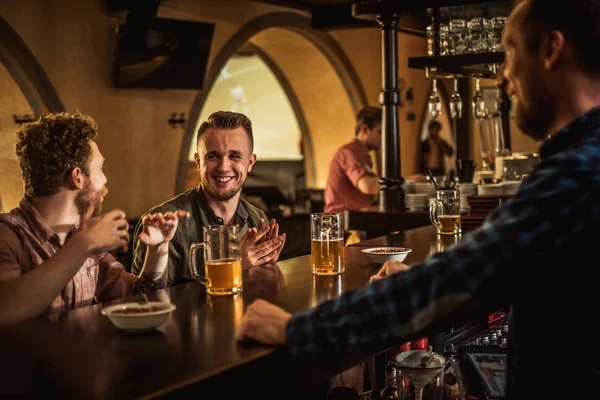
[536,120]
[89,196]
[222,196]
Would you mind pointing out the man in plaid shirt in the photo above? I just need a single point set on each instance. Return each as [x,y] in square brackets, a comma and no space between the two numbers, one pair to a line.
[535,254]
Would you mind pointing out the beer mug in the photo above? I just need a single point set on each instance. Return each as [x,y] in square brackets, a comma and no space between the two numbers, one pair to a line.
[327,243]
[222,261]
[444,212]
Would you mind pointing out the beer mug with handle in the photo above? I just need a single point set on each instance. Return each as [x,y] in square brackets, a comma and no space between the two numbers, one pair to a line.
[444,212]
[221,261]
[327,243]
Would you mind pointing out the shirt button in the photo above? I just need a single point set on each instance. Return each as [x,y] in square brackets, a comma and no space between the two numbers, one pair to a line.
[220,220]
[77,285]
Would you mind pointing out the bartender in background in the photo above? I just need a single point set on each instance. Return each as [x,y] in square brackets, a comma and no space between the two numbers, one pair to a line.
[352,183]
[433,151]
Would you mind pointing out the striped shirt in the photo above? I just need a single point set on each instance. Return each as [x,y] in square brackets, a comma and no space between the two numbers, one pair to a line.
[535,254]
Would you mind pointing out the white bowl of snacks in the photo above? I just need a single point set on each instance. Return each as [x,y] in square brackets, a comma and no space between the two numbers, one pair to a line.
[379,255]
[136,317]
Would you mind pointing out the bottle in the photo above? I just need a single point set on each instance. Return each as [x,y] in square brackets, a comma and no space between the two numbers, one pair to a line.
[390,390]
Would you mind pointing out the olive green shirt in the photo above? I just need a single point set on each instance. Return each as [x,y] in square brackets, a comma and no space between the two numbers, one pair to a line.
[189,230]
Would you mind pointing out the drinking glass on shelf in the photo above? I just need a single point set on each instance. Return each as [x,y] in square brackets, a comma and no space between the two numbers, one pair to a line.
[456,105]
[430,33]
[434,103]
[444,40]
[458,36]
[495,28]
[478,103]
[443,36]
[477,32]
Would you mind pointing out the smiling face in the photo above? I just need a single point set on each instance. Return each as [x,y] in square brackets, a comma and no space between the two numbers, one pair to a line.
[94,189]
[224,160]
[526,80]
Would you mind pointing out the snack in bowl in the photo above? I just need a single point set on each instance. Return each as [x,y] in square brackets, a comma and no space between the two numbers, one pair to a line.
[379,255]
[136,317]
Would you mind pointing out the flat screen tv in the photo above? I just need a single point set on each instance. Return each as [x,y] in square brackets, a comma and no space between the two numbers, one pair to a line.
[161,53]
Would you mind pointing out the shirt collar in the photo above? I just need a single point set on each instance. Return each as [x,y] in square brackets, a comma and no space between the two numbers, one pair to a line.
[37,223]
[571,134]
[360,144]
[240,211]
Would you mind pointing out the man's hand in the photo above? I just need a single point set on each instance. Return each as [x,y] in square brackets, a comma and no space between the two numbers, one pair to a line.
[389,268]
[160,228]
[257,249]
[106,232]
[272,233]
[264,322]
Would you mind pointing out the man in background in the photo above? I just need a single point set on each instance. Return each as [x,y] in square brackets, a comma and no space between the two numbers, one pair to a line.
[352,182]
[54,246]
[433,151]
[224,158]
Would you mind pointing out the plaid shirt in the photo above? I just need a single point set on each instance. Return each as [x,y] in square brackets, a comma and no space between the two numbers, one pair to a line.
[535,254]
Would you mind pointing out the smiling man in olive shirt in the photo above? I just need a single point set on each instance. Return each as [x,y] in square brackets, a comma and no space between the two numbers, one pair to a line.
[224,159]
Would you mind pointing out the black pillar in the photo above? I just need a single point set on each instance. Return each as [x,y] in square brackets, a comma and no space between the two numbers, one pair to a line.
[391,195]
[504,106]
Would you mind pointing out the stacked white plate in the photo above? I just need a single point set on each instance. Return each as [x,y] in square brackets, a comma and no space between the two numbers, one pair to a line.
[417,201]
[480,176]
[425,188]
[490,189]
[466,189]
[408,186]
[510,187]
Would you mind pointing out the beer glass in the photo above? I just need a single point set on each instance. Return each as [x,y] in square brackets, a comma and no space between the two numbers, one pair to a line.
[221,261]
[327,243]
[444,212]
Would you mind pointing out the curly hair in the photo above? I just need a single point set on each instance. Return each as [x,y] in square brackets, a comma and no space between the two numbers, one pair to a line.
[50,148]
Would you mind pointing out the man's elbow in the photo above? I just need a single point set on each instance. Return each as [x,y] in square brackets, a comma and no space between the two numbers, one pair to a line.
[369,185]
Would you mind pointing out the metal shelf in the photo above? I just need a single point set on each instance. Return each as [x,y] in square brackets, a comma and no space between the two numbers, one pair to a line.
[468,65]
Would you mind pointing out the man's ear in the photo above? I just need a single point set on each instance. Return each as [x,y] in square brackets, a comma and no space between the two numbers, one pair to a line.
[553,49]
[363,131]
[76,179]
[197,160]
[251,161]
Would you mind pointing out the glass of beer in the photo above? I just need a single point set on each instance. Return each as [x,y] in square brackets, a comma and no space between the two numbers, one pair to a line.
[444,212]
[219,266]
[327,243]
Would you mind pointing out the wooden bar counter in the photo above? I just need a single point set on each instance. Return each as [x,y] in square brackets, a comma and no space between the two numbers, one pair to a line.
[80,354]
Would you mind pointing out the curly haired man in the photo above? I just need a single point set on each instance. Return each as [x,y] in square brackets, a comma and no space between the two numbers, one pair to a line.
[54,246]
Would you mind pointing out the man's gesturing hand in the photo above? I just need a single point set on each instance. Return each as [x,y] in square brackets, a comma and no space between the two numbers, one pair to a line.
[159,228]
